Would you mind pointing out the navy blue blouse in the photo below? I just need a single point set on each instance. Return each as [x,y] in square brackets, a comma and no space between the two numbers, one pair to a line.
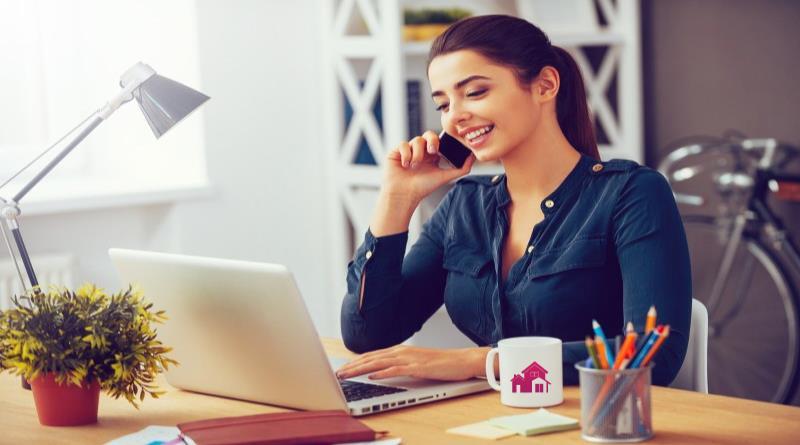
[610,245]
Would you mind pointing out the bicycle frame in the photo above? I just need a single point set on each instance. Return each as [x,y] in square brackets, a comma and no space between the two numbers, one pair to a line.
[747,221]
[757,210]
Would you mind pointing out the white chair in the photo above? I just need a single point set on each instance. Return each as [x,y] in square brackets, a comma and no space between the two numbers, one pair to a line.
[693,375]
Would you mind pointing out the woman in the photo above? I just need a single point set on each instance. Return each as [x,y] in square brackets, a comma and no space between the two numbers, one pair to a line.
[558,240]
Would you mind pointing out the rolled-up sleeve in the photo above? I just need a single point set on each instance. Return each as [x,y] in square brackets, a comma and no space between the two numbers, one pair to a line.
[389,294]
[655,265]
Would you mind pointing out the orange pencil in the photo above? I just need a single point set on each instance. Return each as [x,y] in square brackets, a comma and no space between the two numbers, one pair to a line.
[601,353]
[662,335]
[650,324]
[627,346]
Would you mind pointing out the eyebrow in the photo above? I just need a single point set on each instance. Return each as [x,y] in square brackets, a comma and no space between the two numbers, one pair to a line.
[461,83]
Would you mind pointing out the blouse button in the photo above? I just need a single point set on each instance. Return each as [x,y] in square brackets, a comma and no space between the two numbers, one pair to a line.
[530,249]
[369,254]
[597,167]
[549,203]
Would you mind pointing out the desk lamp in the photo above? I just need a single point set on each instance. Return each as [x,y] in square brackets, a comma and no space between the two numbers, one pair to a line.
[164,103]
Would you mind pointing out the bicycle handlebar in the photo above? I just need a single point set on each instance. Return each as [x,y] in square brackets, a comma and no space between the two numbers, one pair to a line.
[769,146]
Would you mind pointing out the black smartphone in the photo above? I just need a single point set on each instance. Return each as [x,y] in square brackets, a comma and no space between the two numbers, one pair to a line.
[455,152]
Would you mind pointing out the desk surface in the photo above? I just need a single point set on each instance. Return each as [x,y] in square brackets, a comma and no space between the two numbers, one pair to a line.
[678,417]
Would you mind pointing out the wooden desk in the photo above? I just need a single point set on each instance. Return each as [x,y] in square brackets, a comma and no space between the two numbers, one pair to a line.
[678,417]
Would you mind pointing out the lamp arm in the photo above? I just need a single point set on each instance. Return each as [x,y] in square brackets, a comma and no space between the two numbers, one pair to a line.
[93,123]
[10,211]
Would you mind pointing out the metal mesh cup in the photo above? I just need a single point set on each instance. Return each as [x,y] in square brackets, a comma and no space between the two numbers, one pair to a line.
[615,405]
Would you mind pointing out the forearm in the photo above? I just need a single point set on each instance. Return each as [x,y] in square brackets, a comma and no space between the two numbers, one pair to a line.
[392,214]
[476,360]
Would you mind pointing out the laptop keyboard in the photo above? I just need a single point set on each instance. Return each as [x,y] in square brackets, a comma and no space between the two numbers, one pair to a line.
[359,391]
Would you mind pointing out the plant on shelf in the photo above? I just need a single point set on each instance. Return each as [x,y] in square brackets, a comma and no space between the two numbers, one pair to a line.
[427,23]
[70,345]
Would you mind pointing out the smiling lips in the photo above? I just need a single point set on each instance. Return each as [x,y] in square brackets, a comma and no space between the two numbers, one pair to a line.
[477,138]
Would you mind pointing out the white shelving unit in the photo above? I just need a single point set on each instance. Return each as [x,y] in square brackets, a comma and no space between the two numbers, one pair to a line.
[363,43]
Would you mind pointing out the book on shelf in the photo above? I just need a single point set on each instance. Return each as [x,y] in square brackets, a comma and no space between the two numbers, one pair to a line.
[414,117]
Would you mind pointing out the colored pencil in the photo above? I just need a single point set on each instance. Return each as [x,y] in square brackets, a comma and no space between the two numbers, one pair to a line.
[601,336]
[662,336]
[592,352]
[650,324]
[601,353]
[645,349]
[626,350]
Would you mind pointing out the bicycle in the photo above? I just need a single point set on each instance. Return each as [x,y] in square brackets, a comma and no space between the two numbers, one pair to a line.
[741,256]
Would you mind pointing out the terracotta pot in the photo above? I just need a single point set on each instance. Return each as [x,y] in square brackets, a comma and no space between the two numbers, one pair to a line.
[67,404]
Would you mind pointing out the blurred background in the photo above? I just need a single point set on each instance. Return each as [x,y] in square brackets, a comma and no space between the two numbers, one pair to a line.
[282,164]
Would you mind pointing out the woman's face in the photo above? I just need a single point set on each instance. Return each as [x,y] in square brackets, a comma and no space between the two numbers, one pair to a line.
[494,99]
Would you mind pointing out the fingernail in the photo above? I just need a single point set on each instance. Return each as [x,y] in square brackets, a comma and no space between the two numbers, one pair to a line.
[430,148]
[405,163]
[414,165]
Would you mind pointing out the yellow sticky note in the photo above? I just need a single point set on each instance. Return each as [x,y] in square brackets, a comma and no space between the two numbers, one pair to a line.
[481,430]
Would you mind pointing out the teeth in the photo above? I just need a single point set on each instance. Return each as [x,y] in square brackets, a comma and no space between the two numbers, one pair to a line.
[476,133]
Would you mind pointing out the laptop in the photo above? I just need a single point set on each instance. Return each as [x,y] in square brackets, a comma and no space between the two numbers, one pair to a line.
[241,330]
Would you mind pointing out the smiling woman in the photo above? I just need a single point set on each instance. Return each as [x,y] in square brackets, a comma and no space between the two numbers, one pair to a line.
[559,240]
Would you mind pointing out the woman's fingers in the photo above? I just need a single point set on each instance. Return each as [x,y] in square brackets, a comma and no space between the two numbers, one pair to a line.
[371,366]
[367,358]
[453,173]
[432,142]
[393,371]
[405,154]
[418,150]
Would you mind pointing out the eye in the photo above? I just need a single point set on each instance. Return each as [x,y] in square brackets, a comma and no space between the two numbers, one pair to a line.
[472,94]
[476,93]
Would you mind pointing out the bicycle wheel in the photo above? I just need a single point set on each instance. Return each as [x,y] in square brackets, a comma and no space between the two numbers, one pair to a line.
[752,338]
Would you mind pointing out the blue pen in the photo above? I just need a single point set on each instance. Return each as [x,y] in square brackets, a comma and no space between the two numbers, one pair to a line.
[645,349]
[598,332]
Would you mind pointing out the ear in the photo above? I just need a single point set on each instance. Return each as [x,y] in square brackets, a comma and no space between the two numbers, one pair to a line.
[546,84]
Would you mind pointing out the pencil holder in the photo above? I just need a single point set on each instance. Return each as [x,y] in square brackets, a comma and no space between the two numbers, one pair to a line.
[615,404]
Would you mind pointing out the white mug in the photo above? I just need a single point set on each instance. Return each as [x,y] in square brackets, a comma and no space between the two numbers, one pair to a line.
[531,374]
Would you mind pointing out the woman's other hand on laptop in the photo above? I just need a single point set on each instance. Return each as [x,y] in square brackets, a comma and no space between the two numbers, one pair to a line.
[423,363]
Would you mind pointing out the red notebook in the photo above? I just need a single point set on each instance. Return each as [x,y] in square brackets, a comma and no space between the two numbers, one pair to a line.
[301,427]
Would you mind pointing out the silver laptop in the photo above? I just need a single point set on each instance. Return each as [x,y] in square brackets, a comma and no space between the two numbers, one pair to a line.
[241,330]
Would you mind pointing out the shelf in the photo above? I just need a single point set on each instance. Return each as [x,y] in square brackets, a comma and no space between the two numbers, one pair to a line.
[600,38]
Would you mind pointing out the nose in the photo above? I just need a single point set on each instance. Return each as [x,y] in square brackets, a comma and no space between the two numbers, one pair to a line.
[457,115]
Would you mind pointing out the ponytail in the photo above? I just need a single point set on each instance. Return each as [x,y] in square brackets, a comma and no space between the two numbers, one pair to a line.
[571,108]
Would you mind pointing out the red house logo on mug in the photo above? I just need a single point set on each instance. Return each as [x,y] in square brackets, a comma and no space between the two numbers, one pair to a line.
[526,380]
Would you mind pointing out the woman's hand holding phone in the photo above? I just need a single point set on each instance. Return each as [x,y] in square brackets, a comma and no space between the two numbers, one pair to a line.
[412,168]
[411,173]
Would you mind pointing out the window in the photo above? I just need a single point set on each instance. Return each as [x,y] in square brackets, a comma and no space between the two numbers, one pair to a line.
[62,61]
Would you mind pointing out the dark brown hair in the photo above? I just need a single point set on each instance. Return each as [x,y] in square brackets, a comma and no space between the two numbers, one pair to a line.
[520,45]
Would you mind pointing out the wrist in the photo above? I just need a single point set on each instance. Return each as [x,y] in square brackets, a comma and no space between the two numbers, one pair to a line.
[477,359]
[399,201]
[392,214]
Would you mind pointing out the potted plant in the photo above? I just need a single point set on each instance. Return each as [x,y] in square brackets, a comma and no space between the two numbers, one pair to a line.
[70,345]
[427,23]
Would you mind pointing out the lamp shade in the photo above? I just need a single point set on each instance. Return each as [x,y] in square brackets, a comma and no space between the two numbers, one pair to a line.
[165,102]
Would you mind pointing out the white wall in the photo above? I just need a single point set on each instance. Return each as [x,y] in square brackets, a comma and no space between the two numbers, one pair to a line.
[259,63]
